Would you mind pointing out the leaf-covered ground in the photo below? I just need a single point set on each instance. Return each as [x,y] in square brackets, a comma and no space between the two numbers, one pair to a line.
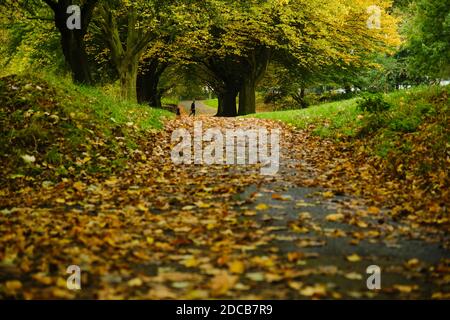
[155,230]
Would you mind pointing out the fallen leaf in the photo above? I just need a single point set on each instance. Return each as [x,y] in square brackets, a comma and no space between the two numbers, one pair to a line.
[222,283]
[237,267]
[262,207]
[405,288]
[316,290]
[136,282]
[354,258]
[373,210]
[255,276]
[353,276]
[335,217]
[13,285]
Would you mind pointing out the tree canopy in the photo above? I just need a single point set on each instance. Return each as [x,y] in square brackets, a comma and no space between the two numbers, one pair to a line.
[229,45]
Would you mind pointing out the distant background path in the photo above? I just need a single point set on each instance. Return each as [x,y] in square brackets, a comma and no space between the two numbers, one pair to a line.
[202,109]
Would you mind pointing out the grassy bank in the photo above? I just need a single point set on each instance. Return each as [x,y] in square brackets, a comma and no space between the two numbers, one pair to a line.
[408,110]
[335,115]
[52,129]
[413,117]
[395,149]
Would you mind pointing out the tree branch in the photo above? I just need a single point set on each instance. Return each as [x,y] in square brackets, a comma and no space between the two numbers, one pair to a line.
[86,13]
[52,4]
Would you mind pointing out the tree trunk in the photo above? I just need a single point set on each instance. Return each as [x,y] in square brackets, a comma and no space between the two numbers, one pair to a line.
[228,103]
[247,97]
[147,83]
[125,57]
[147,89]
[303,103]
[128,77]
[155,97]
[256,64]
[75,55]
[72,41]
[220,105]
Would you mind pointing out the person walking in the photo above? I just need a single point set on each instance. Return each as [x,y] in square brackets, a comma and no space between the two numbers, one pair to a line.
[193,108]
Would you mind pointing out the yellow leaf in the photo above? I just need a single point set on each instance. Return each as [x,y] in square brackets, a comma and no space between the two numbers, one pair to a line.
[298,229]
[203,205]
[353,276]
[316,290]
[62,283]
[362,224]
[190,262]
[13,285]
[373,210]
[304,216]
[266,262]
[328,194]
[335,217]
[42,278]
[354,258]
[295,285]
[136,282]
[272,277]
[237,267]
[405,288]
[222,283]
[294,256]
[142,207]
[79,186]
[261,207]
[196,295]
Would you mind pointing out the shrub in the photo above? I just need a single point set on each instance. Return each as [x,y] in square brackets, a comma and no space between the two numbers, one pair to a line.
[373,104]
[405,124]
[373,122]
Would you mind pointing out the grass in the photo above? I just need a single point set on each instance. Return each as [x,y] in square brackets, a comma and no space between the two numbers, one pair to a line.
[169,101]
[213,103]
[106,108]
[327,117]
[344,118]
[416,119]
[66,128]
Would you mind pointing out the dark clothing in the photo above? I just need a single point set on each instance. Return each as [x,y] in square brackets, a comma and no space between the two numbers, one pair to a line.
[192,109]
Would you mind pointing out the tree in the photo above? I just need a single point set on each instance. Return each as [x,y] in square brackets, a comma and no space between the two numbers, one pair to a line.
[158,57]
[150,72]
[224,77]
[128,46]
[429,37]
[256,65]
[238,39]
[72,40]
[28,43]
[130,27]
